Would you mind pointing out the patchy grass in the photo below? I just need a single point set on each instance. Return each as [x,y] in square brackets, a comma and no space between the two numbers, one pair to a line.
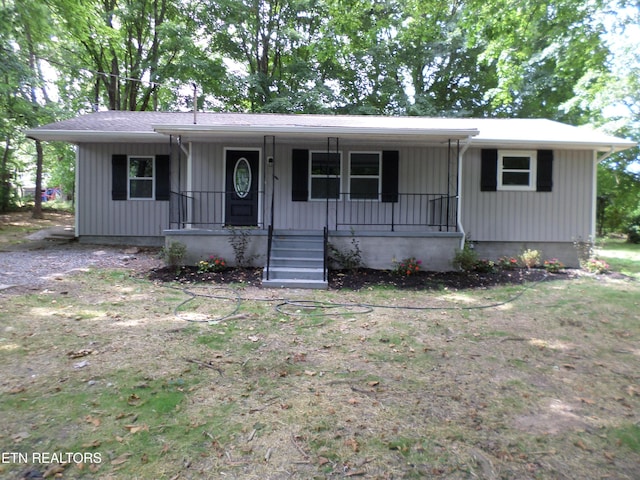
[16,226]
[622,256]
[211,382]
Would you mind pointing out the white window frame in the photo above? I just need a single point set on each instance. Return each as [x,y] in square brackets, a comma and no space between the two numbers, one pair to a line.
[532,155]
[368,177]
[324,176]
[152,177]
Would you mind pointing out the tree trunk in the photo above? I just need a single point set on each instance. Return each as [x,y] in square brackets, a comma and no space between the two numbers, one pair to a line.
[5,187]
[37,207]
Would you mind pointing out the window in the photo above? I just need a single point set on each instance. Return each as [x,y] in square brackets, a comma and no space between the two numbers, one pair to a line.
[325,175]
[364,175]
[517,170]
[141,177]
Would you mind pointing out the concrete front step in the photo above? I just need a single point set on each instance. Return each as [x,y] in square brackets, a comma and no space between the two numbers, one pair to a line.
[299,242]
[295,273]
[282,283]
[289,252]
[297,261]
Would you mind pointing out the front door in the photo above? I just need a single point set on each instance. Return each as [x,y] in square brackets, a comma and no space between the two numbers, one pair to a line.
[241,188]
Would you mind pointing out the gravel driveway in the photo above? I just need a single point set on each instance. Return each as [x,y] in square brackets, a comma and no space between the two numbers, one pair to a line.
[35,264]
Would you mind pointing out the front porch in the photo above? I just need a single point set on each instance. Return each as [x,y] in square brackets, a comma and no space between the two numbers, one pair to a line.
[409,212]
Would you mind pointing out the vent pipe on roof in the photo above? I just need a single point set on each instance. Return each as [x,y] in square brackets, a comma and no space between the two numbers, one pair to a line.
[195,102]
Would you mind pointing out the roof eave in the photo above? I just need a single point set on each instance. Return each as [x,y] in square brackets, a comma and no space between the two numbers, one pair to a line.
[94,136]
[600,146]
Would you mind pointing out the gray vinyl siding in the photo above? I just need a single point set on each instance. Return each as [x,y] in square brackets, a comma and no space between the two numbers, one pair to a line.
[97,214]
[562,215]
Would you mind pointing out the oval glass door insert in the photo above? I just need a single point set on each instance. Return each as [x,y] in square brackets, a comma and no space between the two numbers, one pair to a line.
[242,177]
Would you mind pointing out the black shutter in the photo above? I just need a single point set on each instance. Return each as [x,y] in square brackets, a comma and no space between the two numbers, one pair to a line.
[299,175]
[390,176]
[119,177]
[544,180]
[489,171]
[163,182]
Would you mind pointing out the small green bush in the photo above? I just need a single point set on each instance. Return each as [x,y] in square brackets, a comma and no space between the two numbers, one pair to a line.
[349,259]
[174,253]
[212,264]
[553,265]
[465,259]
[406,267]
[507,263]
[633,229]
[595,265]
[530,258]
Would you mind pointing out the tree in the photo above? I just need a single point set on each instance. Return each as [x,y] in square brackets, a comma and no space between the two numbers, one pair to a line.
[122,53]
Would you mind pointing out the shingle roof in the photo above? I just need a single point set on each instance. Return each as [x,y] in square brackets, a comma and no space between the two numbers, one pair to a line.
[123,126]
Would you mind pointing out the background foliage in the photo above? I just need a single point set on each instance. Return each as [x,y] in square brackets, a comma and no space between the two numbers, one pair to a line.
[489,58]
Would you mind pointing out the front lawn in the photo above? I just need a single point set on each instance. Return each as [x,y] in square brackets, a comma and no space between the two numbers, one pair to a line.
[110,376]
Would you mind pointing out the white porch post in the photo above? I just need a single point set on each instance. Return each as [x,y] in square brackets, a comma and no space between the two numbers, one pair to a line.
[461,153]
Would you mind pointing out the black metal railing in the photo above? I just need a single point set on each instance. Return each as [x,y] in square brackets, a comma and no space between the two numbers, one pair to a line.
[325,261]
[203,209]
[269,244]
[206,209]
[433,210]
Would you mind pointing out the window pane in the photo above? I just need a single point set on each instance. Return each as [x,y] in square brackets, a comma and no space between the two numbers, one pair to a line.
[321,187]
[141,189]
[515,178]
[364,188]
[325,164]
[515,163]
[140,167]
[365,164]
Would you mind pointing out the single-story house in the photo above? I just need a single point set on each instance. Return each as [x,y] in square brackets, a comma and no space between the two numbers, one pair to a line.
[280,188]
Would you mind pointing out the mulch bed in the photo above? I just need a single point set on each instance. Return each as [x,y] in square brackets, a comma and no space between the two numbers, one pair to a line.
[365,278]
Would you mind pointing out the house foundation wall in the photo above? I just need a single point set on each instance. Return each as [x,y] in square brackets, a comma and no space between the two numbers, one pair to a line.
[134,241]
[563,251]
[202,244]
[379,250]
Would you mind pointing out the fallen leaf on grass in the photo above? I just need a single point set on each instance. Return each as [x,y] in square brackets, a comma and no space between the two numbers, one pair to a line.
[353,401]
[53,470]
[353,443]
[323,461]
[94,444]
[79,353]
[568,366]
[15,390]
[609,456]
[588,401]
[355,473]
[580,444]
[137,428]
[633,390]
[310,373]
[121,459]
[93,420]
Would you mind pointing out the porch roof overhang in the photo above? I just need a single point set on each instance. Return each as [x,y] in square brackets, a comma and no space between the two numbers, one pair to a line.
[304,133]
